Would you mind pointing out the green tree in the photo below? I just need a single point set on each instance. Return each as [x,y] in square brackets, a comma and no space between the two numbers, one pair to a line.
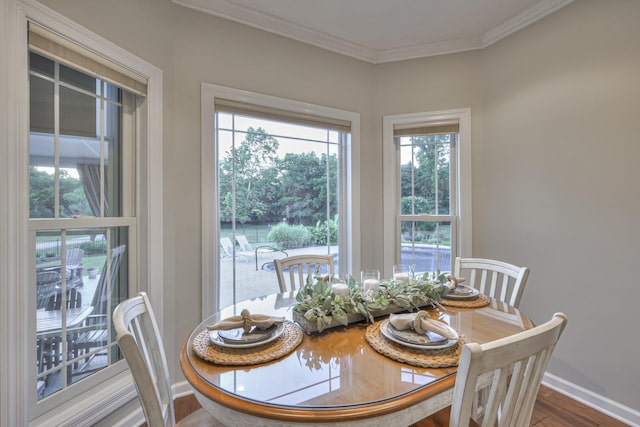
[42,198]
[254,162]
[431,155]
[73,201]
[304,187]
[41,194]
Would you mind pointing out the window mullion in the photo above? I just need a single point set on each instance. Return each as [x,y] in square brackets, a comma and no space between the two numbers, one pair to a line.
[328,186]
[56,141]
[102,149]
[233,203]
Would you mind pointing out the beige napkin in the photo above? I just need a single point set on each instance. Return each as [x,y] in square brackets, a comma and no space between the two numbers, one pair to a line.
[422,323]
[454,281]
[246,321]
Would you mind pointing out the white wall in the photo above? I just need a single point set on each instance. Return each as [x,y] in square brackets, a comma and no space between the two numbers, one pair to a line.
[555,125]
[556,183]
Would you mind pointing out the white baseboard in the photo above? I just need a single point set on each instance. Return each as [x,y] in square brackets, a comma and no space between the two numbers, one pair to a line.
[135,417]
[181,389]
[600,403]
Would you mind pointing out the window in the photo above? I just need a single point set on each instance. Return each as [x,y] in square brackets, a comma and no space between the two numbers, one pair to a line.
[284,187]
[81,147]
[427,204]
[86,174]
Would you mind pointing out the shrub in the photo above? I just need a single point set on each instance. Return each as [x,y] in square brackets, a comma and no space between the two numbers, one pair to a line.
[319,232]
[289,236]
[94,248]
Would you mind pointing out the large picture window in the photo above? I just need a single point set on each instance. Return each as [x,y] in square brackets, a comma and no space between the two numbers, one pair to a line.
[278,196]
[280,184]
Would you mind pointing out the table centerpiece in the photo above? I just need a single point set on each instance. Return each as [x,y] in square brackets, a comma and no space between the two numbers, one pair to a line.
[319,307]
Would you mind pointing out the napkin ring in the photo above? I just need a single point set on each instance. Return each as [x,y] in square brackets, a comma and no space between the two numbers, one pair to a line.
[417,322]
[246,319]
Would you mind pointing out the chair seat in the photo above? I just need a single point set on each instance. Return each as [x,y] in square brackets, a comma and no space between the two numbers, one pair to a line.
[199,418]
[440,419]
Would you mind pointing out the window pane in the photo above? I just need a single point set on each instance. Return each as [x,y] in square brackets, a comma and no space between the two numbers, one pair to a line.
[77,79]
[427,245]
[41,176]
[73,200]
[77,113]
[113,165]
[112,92]
[81,275]
[425,174]
[243,123]
[278,196]
[41,105]
[40,64]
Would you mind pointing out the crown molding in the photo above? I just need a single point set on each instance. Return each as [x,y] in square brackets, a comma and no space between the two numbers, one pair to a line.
[427,50]
[528,17]
[228,10]
[253,18]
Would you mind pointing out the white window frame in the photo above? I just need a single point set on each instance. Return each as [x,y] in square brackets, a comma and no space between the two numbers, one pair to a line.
[92,399]
[391,168]
[349,227]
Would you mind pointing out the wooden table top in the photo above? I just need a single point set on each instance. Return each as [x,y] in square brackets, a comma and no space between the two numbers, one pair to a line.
[334,376]
[51,320]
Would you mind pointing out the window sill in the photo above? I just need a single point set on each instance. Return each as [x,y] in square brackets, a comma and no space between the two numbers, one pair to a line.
[90,408]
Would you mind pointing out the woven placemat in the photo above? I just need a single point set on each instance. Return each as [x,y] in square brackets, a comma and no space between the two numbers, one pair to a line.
[283,345]
[481,301]
[421,358]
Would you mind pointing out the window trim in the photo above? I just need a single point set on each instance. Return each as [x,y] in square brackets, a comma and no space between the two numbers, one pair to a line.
[210,239]
[390,168]
[17,397]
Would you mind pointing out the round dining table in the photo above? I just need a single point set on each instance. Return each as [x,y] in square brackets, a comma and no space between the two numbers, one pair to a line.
[334,377]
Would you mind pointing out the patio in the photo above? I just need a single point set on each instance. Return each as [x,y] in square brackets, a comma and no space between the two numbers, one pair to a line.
[252,283]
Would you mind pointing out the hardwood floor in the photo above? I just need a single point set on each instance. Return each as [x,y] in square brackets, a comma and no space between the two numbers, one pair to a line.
[552,410]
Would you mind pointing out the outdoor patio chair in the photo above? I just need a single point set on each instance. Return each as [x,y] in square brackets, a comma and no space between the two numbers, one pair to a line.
[262,249]
[301,266]
[517,363]
[94,334]
[47,283]
[495,279]
[74,266]
[140,341]
[228,249]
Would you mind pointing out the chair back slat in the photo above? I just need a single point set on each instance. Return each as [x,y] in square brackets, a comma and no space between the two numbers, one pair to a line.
[140,342]
[517,363]
[108,278]
[47,284]
[493,278]
[299,267]
[73,300]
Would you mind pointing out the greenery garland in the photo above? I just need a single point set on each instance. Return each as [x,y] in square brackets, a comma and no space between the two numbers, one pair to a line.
[317,302]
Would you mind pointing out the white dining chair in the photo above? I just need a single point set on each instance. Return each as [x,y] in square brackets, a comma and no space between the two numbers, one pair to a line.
[517,364]
[299,267]
[140,342]
[495,279]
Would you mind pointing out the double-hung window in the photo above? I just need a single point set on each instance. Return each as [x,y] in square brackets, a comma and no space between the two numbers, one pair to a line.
[87,179]
[82,217]
[427,209]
